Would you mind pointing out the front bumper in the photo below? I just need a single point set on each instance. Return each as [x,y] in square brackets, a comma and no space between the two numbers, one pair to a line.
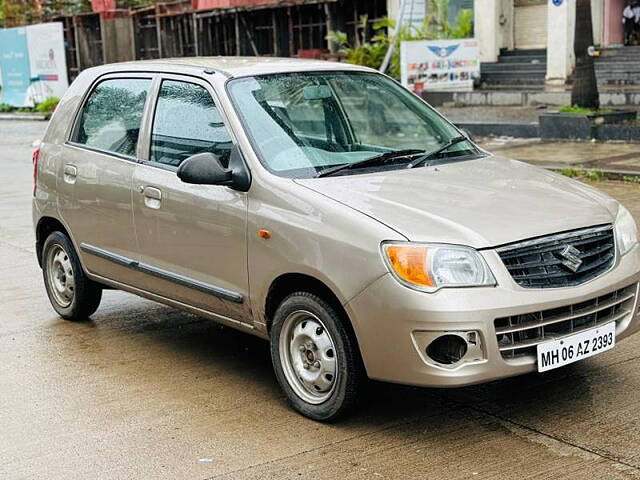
[391,320]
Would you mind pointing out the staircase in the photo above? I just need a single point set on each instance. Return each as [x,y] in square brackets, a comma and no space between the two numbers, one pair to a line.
[617,67]
[515,68]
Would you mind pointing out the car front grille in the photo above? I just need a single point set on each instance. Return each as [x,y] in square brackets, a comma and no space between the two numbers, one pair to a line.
[561,260]
[519,335]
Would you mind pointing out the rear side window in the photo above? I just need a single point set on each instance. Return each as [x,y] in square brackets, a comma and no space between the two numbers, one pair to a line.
[187,122]
[111,118]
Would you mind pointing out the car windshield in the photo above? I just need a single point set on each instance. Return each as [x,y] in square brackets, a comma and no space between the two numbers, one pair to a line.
[304,123]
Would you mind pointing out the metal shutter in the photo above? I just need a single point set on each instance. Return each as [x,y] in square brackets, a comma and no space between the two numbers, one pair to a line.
[530,24]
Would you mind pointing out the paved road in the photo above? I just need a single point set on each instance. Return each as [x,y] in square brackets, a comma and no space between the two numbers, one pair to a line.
[612,156]
[144,391]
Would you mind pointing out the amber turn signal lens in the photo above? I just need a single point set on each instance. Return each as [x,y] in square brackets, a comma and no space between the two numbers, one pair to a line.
[410,264]
[265,234]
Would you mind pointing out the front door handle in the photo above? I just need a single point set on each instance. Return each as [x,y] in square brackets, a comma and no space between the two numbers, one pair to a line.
[152,197]
[70,173]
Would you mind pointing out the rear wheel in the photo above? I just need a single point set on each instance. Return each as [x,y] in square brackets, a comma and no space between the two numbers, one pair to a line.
[315,357]
[71,293]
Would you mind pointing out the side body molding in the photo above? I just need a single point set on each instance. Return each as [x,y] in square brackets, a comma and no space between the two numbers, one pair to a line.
[164,274]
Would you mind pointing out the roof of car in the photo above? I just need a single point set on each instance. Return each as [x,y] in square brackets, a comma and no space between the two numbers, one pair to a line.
[243,66]
[237,66]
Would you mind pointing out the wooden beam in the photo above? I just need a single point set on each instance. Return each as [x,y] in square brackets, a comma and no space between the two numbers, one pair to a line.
[274,30]
[291,41]
[237,25]
[196,36]
[248,31]
[158,33]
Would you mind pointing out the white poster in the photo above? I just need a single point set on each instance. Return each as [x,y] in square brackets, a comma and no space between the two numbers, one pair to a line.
[47,61]
[450,65]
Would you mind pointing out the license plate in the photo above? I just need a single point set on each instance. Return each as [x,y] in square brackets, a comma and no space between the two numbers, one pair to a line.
[558,353]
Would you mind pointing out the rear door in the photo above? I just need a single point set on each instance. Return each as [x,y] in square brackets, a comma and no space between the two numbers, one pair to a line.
[96,171]
[192,238]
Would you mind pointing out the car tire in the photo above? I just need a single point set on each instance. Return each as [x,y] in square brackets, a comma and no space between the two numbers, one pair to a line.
[72,295]
[315,357]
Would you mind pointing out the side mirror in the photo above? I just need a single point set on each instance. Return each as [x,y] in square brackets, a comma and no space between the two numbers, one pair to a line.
[204,169]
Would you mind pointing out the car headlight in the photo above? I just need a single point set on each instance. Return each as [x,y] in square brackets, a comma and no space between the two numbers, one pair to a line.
[430,267]
[626,231]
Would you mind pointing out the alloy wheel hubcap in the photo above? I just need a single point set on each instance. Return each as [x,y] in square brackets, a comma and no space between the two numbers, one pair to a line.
[60,276]
[308,357]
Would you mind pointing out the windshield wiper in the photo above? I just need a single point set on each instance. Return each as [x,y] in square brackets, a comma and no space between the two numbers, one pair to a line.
[368,161]
[454,141]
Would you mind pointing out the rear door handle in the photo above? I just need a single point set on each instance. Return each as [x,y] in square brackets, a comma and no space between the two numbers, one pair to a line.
[70,173]
[152,197]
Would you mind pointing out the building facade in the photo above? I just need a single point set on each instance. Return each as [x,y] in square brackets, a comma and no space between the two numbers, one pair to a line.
[508,25]
[285,28]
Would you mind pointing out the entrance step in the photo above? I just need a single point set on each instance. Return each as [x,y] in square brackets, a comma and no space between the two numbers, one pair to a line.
[516,68]
[618,66]
[519,96]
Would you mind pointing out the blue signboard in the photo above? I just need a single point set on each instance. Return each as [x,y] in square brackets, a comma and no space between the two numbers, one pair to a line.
[14,67]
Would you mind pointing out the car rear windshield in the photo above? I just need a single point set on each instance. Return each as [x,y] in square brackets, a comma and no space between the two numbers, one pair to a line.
[303,123]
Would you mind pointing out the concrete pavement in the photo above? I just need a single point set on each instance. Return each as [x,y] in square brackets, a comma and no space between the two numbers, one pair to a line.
[610,156]
[145,391]
[493,114]
[533,122]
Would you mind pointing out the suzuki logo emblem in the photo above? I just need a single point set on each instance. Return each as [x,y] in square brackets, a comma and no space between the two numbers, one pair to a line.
[570,257]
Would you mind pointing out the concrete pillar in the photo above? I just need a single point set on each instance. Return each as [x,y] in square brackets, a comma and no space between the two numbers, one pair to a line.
[506,21]
[597,9]
[560,33]
[486,24]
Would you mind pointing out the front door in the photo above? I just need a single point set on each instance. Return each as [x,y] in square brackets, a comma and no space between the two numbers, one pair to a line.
[96,171]
[192,238]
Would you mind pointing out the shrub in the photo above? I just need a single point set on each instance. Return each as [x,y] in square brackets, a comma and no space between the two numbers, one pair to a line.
[592,175]
[574,109]
[48,105]
[631,179]
[371,52]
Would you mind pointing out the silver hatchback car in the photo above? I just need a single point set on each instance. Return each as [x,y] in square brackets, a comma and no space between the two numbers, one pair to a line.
[327,209]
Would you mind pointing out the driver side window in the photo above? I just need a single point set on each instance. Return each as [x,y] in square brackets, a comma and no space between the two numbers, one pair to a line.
[187,122]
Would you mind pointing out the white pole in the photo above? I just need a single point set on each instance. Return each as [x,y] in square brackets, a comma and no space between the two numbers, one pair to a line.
[389,54]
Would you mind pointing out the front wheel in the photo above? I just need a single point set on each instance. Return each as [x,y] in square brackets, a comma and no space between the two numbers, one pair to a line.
[71,293]
[315,357]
